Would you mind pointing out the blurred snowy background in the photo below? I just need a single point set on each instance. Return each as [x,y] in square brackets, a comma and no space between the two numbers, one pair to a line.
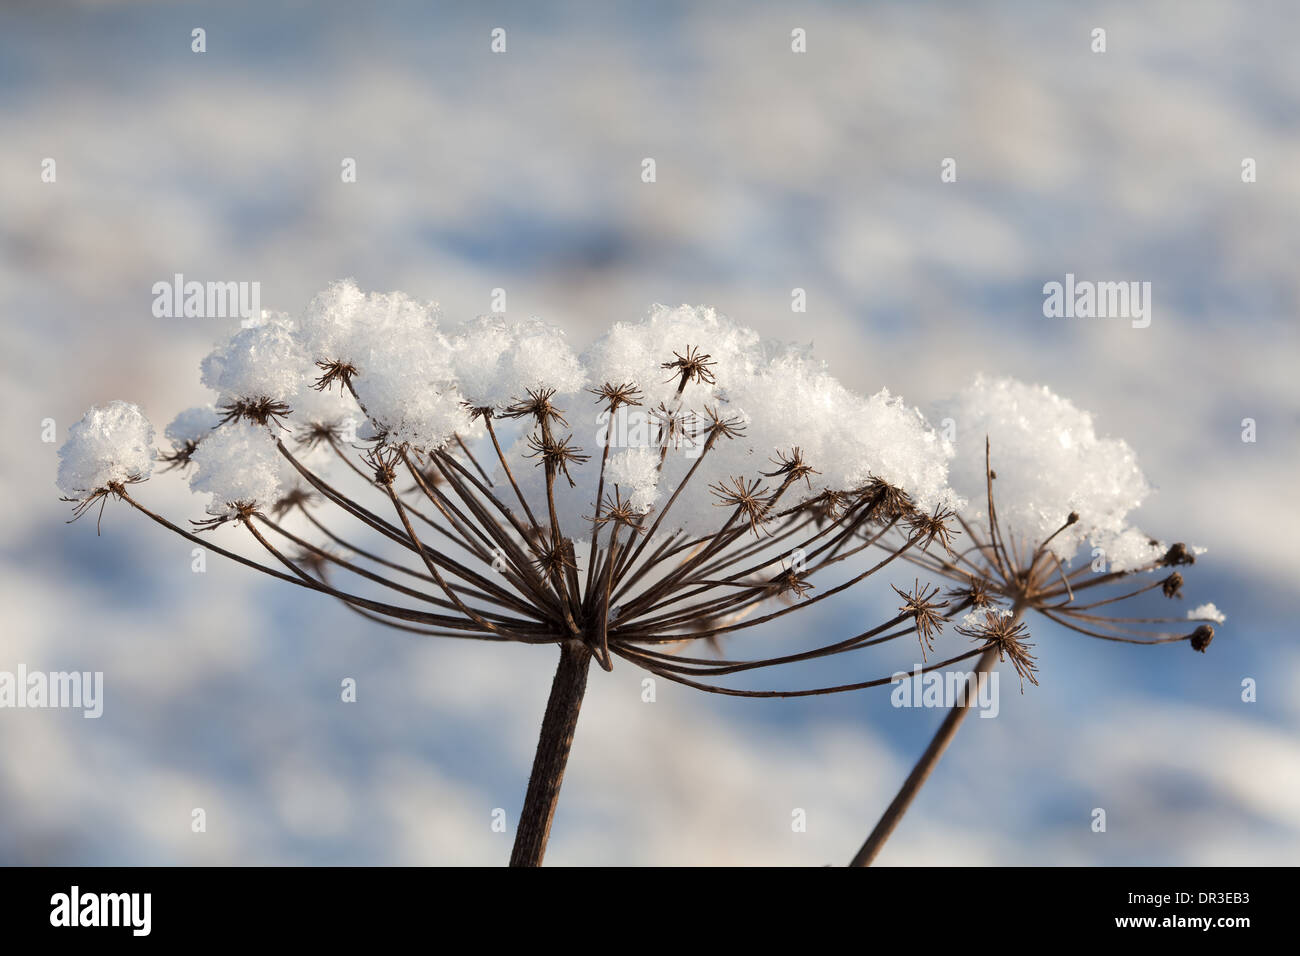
[775,171]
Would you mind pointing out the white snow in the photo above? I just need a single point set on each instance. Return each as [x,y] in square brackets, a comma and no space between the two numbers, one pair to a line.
[783,397]
[262,362]
[192,425]
[113,442]
[1207,612]
[329,328]
[238,464]
[634,471]
[405,378]
[1049,462]
[497,362]
[780,394]
[414,378]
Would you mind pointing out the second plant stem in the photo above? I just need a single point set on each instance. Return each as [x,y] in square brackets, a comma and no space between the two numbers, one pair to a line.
[889,820]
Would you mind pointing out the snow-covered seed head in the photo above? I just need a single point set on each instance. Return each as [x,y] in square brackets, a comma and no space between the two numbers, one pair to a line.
[1058,488]
[713,481]
[1052,470]
[110,448]
[111,445]
[258,371]
[239,466]
[185,432]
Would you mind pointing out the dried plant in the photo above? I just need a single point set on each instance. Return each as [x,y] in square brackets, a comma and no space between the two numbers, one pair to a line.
[1011,566]
[431,481]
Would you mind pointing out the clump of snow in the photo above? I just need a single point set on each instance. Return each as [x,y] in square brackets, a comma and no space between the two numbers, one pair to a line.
[415,383]
[779,395]
[405,378]
[790,400]
[497,362]
[329,330]
[1049,462]
[1125,550]
[260,362]
[1206,612]
[237,464]
[193,425]
[635,473]
[111,443]
[634,351]
[973,620]
[331,406]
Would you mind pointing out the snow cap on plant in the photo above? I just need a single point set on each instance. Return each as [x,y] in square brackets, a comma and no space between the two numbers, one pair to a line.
[1050,462]
[388,350]
[239,465]
[748,471]
[111,445]
[257,371]
[1041,488]
[185,432]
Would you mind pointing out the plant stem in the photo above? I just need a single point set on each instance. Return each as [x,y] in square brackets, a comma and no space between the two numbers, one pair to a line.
[553,745]
[921,772]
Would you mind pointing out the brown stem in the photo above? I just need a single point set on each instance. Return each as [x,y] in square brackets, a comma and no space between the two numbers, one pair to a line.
[553,745]
[921,772]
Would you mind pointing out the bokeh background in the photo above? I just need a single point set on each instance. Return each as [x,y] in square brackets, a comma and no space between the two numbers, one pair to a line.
[775,170]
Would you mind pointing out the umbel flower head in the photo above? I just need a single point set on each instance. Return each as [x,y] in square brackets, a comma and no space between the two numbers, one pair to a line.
[1039,488]
[654,492]
[680,483]
[1057,489]
[110,448]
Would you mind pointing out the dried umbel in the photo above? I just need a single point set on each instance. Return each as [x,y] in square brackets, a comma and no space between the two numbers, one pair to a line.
[1058,489]
[652,501]
[1042,489]
[682,482]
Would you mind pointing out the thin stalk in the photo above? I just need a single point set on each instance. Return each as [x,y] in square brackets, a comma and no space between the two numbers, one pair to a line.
[925,766]
[553,745]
